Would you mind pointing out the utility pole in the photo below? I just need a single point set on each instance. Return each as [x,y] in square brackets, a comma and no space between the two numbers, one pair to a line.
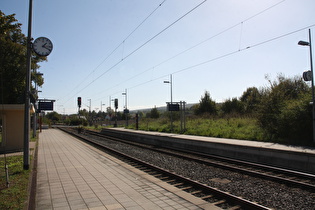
[170,106]
[90,105]
[126,111]
[26,156]
[102,106]
[309,44]
[116,107]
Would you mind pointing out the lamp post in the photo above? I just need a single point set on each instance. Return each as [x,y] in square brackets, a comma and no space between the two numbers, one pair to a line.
[309,43]
[126,109]
[125,94]
[35,104]
[26,157]
[102,106]
[90,105]
[171,82]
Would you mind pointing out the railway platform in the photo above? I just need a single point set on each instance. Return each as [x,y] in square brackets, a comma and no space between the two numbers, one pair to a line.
[74,175]
[285,156]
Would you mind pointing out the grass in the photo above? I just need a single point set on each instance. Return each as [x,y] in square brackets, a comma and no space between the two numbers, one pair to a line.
[234,128]
[15,196]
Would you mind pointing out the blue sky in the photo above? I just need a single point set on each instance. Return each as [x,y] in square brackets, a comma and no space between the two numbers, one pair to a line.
[102,47]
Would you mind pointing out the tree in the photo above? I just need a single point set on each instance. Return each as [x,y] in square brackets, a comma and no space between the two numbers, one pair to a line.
[251,99]
[232,106]
[13,61]
[54,117]
[206,105]
[154,113]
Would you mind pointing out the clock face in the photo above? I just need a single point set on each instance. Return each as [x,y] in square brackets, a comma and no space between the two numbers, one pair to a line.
[42,46]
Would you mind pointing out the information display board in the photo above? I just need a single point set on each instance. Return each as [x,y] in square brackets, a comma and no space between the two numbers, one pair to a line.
[172,107]
[45,105]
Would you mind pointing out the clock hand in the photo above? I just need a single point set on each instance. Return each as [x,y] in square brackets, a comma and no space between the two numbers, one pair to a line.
[44,46]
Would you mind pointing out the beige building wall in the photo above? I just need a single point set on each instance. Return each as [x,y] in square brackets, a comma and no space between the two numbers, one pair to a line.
[12,127]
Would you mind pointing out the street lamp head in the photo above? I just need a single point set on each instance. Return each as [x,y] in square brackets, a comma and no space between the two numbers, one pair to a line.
[303,43]
[166,81]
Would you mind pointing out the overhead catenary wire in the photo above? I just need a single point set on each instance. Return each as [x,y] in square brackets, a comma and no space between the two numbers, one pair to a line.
[117,47]
[223,56]
[138,48]
[216,58]
[202,42]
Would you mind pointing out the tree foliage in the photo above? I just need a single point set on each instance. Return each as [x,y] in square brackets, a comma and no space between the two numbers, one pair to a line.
[284,112]
[232,106]
[54,117]
[154,113]
[282,109]
[206,105]
[251,99]
[13,61]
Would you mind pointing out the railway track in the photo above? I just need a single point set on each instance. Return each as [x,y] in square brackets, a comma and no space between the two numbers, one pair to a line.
[217,197]
[289,177]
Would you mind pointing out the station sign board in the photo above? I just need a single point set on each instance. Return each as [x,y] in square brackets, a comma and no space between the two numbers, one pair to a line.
[45,105]
[172,107]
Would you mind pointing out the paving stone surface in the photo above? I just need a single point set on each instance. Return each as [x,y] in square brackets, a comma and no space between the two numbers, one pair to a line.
[73,175]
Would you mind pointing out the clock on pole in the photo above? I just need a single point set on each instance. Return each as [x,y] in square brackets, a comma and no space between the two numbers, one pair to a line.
[42,46]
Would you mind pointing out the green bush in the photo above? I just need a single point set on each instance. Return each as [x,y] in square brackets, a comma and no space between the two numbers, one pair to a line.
[295,122]
[77,121]
[284,113]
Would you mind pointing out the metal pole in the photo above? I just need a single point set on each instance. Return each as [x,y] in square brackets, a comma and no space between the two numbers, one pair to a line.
[90,105]
[311,60]
[184,104]
[126,108]
[26,157]
[181,117]
[35,107]
[171,102]
[171,89]
[110,102]
[34,120]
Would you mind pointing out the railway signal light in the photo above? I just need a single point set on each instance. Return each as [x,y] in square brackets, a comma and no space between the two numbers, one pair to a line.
[116,103]
[79,102]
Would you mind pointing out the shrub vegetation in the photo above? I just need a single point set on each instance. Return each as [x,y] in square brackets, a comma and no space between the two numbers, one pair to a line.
[279,112]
